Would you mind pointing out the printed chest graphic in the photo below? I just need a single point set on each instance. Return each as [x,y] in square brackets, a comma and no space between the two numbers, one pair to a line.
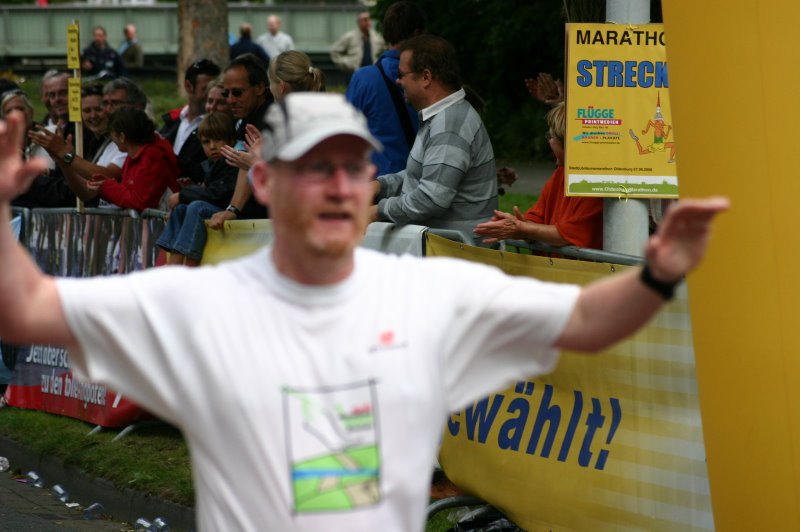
[333,447]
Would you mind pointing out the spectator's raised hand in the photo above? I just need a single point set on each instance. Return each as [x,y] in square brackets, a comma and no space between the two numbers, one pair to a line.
[681,239]
[15,173]
[242,160]
[54,144]
[502,226]
[252,137]
[545,88]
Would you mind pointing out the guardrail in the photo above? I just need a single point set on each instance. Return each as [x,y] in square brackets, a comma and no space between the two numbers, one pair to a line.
[30,34]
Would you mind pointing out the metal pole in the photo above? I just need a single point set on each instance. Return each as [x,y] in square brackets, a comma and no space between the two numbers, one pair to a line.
[625,222]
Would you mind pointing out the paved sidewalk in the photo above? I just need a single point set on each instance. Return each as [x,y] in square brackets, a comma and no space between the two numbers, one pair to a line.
[125,506]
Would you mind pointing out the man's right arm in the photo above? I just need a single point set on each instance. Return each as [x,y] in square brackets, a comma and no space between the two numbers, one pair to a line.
[33,311]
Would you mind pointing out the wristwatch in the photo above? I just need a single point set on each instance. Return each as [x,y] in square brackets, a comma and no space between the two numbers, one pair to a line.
[69,157]
[234,210]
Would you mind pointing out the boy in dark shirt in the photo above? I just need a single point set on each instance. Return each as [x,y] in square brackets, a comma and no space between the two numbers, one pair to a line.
[184,237]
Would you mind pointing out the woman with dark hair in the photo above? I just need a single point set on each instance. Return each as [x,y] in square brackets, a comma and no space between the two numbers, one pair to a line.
[150,168]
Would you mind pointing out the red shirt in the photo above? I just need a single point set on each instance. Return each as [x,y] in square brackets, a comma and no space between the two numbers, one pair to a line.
[145,177]
[578,220]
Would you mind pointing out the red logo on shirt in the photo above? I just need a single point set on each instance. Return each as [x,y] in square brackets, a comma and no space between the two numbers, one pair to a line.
[386,338]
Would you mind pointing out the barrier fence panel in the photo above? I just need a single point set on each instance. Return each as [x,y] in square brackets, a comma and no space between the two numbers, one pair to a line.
[65,243]
[606,442]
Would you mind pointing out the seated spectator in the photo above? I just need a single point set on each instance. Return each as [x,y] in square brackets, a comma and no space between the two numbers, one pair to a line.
[215,101]
[554,219]
[151,166]
[180,125]
[449,181]
[101,156]
[247,90]
[48,189]
[291,71]
[130,50]
[99,58]
[16,100]
[245,45]
[374,91]
[184,237]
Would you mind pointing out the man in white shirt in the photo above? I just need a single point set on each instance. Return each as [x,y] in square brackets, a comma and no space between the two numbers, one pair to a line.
[274,41]
[331,367]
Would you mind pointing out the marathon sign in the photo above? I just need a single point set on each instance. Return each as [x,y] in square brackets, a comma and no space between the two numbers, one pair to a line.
[620,140]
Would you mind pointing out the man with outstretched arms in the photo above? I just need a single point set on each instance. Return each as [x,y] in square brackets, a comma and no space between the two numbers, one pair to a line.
[333,367]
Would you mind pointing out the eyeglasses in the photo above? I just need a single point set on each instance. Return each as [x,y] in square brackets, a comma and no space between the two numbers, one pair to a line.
[114,103]
[357,172]
[401,74]
[237,93]
[54,94]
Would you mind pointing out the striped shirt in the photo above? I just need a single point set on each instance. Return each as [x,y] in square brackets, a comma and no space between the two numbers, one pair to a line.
[449,181]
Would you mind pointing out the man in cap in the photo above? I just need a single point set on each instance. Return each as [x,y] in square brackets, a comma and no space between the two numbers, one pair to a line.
[332,367]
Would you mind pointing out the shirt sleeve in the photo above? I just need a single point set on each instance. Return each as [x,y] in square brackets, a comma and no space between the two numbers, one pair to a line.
[501,329]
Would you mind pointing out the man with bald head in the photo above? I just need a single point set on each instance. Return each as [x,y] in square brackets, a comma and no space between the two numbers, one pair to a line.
[274,41]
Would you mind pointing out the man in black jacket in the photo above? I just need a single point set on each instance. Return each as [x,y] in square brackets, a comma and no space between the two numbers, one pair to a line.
[180,126]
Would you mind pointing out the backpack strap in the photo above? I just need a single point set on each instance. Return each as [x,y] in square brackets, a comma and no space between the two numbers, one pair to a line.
[399,105]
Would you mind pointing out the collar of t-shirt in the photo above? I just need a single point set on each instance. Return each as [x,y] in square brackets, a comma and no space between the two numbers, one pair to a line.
[307,295]
[441,105]
[185,129]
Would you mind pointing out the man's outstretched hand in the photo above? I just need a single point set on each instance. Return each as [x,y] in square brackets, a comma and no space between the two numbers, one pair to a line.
[680,241]
[16,174]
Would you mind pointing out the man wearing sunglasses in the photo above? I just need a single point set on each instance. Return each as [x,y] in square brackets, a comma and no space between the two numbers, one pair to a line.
[333,367]
[247,90]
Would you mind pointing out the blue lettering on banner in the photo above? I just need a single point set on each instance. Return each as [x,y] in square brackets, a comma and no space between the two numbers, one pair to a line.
[602,73]
[479,418]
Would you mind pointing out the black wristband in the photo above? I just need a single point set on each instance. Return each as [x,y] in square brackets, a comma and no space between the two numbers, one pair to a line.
[234,210]
[665,290]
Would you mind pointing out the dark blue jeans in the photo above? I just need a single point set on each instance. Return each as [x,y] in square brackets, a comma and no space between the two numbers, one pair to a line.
[185,232]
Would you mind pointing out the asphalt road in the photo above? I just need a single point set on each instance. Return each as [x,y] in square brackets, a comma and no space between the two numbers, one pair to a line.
[24,508]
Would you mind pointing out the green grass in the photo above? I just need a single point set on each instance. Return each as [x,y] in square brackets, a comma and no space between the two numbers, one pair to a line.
[152,460]
[524,201]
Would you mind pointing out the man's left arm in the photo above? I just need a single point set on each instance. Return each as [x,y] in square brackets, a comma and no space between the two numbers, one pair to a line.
[612,308]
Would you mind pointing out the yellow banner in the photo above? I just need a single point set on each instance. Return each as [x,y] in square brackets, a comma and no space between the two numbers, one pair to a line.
[620,139]
[611,441]
[741,60]
[238,238]
[73,46]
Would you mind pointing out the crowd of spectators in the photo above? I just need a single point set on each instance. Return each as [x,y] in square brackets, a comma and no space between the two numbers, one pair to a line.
[437,167]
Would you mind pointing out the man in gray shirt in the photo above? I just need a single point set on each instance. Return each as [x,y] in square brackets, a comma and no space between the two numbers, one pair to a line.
[449,181]
[275,42]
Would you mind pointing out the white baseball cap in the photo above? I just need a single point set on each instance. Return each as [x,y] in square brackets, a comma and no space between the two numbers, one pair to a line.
[304,119]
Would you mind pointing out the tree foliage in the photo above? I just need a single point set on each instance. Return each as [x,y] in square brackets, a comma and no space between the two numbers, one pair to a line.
[499,44]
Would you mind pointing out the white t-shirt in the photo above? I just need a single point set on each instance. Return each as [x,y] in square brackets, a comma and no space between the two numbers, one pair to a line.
[313,408]
[111,155]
